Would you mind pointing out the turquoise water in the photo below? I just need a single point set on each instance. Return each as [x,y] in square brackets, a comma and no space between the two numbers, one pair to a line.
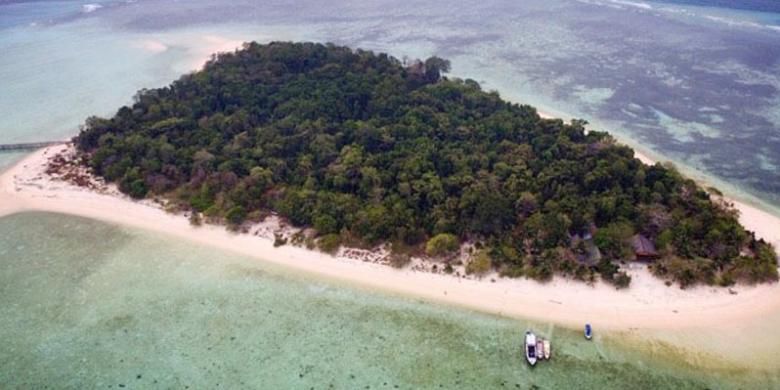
[142,311]
[54,78]
[8,159]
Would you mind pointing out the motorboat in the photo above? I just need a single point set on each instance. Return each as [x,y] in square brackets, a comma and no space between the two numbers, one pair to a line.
[540,348]
[547,350]
[530,347]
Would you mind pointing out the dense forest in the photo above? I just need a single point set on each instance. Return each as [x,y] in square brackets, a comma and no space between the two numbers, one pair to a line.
[366,149]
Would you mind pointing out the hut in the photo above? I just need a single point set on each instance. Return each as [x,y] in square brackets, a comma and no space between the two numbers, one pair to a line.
[644,249]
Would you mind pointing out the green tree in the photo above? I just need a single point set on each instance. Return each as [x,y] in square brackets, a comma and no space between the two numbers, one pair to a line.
[442,244]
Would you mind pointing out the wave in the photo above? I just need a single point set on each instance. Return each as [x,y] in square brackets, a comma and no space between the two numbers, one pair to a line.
[88,8]
[741,23]
[687,12]
[619,4]
[634,4]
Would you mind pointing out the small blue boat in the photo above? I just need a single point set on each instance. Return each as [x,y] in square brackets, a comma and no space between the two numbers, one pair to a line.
[588,332]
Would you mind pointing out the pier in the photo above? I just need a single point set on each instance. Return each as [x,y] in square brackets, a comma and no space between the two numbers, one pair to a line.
[29,146]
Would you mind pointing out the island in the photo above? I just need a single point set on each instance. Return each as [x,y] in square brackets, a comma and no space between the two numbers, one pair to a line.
[362,150]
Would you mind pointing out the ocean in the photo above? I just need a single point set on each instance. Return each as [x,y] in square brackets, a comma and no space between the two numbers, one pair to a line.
[694,82]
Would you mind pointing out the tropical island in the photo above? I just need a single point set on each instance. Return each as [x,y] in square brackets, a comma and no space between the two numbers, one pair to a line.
[365,150]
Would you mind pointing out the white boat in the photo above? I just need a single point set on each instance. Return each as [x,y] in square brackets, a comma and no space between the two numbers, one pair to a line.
[547,350]
[530,347]
[540,348]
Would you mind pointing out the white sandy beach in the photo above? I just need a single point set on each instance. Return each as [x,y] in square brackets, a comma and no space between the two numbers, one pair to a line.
[197,53]
[647,304]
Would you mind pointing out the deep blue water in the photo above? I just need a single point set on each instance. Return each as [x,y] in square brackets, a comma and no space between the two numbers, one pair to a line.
[750,5]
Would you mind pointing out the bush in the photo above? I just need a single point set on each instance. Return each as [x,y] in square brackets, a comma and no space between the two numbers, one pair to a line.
[442,244]
[686,272]
[621,280]
[512,271]
[613,240]
[479,264]
[298,238]
[448,268]
[725,279]
[195,219]
[133,185]
[236,215]
[325,224]
[606,269]
[279,240]
[400,260]
[762,268]
[329,243]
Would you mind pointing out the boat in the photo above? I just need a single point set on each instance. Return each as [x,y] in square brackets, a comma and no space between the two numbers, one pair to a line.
[547,350]
[540,348]
[530,347]
[588,332]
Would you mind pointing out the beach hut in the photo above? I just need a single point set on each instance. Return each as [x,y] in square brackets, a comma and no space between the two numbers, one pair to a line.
[644,249]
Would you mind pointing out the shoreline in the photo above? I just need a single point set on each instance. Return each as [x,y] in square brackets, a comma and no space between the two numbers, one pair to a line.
[647,304]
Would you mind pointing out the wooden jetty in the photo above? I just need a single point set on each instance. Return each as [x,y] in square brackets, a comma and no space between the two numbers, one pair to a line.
[29,146]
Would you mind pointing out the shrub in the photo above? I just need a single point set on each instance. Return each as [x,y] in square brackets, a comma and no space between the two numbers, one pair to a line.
[621,280]
[442,244]
[133,185]
[279,240]
[400,260]
[329,243]
[613,240]
[236,215]
[762,268]
[686,272]
[325,224]
[479,264]
[309,243]
[606,269]
[726,279]
[512,271]
[195,219]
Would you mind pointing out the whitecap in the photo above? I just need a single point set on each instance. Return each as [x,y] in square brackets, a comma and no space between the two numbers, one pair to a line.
[634,4]
[151,45]
[87,8]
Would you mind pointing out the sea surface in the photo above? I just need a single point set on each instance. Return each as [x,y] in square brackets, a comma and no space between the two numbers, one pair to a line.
[87,305]
[138,310]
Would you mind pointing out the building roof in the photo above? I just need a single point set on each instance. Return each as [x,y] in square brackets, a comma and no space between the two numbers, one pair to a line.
[643,246]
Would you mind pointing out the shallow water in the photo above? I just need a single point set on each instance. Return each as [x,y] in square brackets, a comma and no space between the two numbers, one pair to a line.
[8,159]
[139,310]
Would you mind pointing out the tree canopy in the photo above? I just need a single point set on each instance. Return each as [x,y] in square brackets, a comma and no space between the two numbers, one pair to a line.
[360,145]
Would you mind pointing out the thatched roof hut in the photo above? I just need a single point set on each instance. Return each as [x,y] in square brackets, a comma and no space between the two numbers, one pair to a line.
[644,249]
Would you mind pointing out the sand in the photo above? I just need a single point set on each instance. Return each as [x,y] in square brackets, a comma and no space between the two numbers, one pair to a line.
[197,55]
[647,304]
